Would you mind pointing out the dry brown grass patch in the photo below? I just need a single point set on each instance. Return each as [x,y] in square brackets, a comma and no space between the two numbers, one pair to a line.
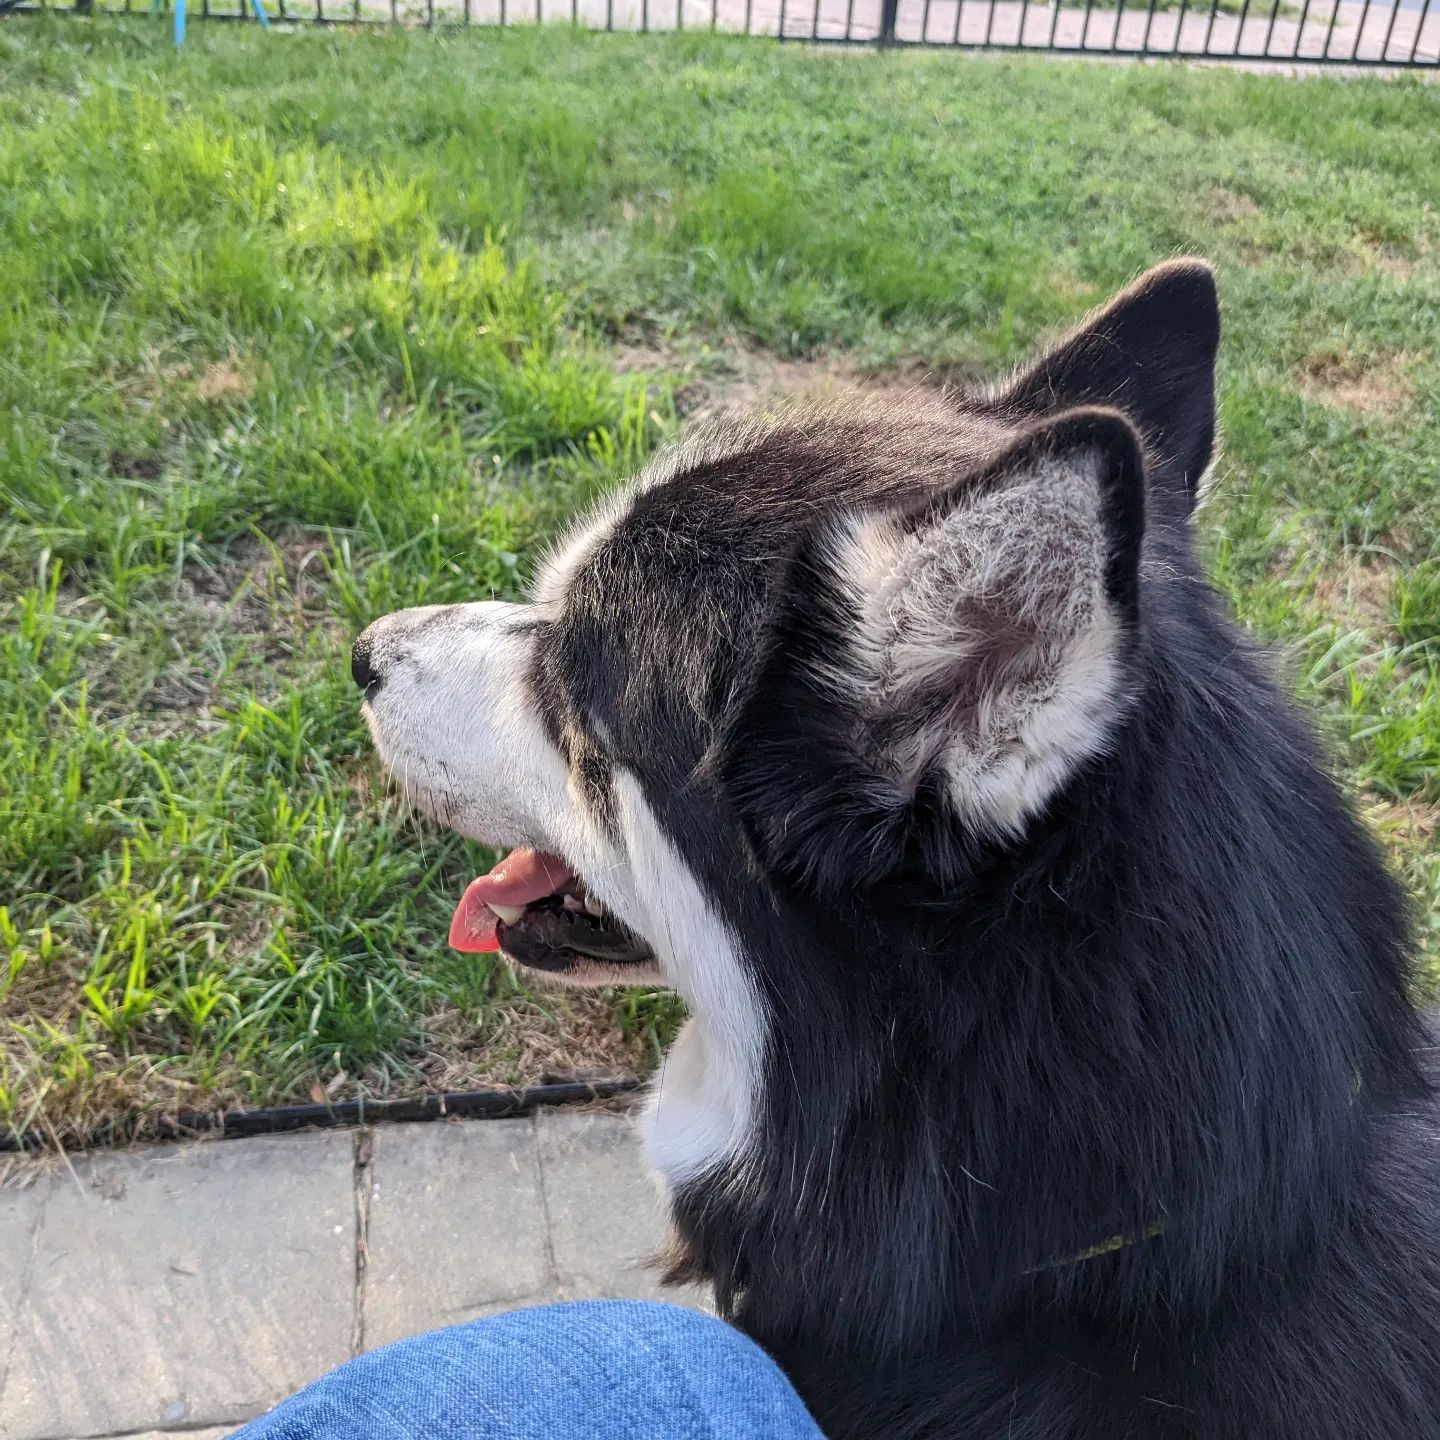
[1367,385]
[1357,596]
[530,1037]
[1227,207]
[744,378]
[1402,822]
[226,381]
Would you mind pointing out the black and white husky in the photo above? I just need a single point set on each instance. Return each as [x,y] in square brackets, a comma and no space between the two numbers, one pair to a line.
[1052,1072]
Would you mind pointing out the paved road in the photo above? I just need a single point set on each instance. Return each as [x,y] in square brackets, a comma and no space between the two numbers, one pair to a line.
[191,1287]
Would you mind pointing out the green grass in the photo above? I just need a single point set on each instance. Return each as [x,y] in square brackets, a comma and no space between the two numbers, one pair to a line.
[297,329]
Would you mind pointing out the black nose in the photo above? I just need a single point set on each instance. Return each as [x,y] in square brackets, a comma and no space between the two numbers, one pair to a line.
[362,668]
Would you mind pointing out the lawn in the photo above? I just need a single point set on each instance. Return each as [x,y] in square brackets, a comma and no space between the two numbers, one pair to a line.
[298,329]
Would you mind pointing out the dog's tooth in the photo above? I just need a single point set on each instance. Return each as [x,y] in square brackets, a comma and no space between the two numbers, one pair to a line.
[509,913]
[572,902]
[593,905]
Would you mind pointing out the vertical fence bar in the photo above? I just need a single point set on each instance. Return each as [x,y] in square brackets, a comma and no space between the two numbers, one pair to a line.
[1209,26]
[1240,29]
[1390,29]
[1084,25]
[1330,29]
[1270,28]
[1024,16]
[319,12]
[990,21]
[1149,21]
[1419,28]
[1054,24]
[782,19]
[959,15]
[644,17]
[849,18]
[889,9]
[1300,28]
[1359,33]
[610,14]
[679,14]
[750,10]
[1179,27]
[924,20]
[714,15]
[1115,33]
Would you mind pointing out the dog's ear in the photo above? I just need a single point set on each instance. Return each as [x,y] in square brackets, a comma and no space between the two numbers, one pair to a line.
[1149,353]
[955,659]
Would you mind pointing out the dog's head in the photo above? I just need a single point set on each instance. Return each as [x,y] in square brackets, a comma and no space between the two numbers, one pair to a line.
[799,663]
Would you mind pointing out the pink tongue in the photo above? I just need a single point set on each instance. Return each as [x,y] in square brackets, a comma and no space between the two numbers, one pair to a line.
[521,877]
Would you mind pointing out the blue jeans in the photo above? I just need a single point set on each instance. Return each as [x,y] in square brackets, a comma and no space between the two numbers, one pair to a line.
[596,1370]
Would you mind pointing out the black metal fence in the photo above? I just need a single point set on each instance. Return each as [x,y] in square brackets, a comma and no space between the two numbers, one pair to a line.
[1375,33]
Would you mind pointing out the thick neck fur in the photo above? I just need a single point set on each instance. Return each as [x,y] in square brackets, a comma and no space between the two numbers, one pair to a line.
[1175,1014]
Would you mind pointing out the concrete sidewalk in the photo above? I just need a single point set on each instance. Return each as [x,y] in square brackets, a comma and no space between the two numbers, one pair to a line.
[190,1287]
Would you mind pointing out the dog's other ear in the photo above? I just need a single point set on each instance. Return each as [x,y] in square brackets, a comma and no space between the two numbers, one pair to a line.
[957,659]
[994,622]
[1150,353]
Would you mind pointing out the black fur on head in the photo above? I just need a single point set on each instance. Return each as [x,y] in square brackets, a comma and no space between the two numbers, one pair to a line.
[1090,1106]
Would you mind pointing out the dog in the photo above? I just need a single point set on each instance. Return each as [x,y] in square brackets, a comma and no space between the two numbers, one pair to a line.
[1052,1070]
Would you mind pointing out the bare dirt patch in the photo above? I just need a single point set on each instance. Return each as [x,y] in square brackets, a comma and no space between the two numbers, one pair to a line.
[743,378]
[1365,385]
[226,381]
[1357,596]
[1408,822]
[134,465]
[1228,207]
[1389,263]
[240,617]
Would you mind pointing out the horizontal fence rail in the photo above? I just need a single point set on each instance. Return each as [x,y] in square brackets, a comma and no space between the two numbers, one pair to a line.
[1390,33]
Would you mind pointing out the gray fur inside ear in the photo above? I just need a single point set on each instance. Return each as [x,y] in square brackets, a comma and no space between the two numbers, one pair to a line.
[985,648]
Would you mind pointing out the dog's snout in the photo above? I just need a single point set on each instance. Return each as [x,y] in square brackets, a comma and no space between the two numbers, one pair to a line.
[363,670]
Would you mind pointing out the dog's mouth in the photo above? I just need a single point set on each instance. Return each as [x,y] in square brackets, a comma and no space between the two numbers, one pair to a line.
[536,909]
